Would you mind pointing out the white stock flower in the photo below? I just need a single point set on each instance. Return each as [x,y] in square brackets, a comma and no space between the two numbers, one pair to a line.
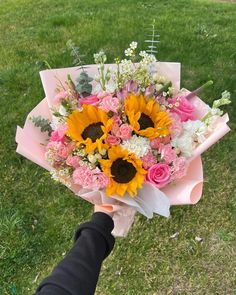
[194,132]
[225,99]
[184,143]
[137,145]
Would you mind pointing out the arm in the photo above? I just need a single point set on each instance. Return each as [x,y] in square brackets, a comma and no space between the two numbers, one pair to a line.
[78,272]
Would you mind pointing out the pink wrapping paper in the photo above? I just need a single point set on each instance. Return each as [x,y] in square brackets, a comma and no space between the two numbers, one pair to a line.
[188,190]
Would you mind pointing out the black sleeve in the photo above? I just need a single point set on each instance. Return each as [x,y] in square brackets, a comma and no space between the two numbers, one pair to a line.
[77,273]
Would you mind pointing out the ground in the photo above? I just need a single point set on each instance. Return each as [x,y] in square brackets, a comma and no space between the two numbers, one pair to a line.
[38,217]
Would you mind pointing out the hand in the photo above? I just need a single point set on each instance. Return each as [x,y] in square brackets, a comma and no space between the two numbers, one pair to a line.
[105,208]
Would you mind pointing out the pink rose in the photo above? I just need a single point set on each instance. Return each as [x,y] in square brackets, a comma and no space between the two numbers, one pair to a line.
[168,154]
[116,119]
[125,131]
[63,151]
[112,140]
[116,123]
[182,107]
[73,161]
[159,175]
[59,97]
[59,134]
[148,160]
[110,103]
[176,125]
[91,99]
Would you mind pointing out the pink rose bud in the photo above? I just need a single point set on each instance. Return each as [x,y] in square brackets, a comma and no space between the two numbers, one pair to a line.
[159,175]
[112,140]
[125,131]
[59,134]
[91,99]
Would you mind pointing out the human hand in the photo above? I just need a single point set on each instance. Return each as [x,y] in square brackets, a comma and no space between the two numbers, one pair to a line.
[105,208]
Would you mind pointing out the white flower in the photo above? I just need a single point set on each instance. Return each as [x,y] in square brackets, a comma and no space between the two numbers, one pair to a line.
[137,145]
[133,45]
[197,129]
[62,111]
[225,99]
[143,53]
[56,122]
[111,86]
[184,143]
[92,158]
[194,132]
[129,52]
[127,67]
[62,175]
[100,57]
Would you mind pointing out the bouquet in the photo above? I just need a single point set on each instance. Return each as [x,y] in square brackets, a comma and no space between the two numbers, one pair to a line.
[123,136]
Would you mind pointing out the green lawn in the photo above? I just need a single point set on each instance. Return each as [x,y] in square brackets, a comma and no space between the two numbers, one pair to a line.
[38,217]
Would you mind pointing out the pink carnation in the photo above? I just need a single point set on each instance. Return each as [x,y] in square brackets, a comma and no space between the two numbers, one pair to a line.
[59,134]
[109,103]
[159,175]
[179,168]
[83,176]
[91,99]
[176,125]
[59,97]
[73,161]
[125,131]
[148,160]
[168,154]
[156,142]
[102,180]
[182,107]
[91,179]
[112,140]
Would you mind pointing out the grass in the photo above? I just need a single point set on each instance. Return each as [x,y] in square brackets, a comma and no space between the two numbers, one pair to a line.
[38,217]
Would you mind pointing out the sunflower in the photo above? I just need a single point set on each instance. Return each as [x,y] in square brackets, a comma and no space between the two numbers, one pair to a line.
[145,117]
[89,127]
[125,172]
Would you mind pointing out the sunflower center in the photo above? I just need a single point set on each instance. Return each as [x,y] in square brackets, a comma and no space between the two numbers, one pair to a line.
[122,171]
[93,131]
[145,121]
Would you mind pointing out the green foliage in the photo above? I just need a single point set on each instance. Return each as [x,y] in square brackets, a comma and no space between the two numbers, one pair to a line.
[84,87]
[152,40]
[75,53]
[43,124]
